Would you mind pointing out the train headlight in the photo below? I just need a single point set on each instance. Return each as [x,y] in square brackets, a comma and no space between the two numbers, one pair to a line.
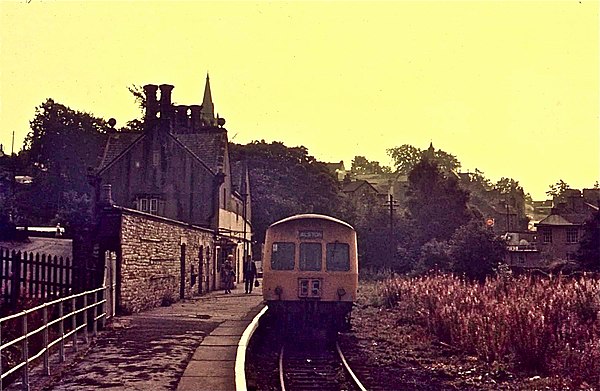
[341,292]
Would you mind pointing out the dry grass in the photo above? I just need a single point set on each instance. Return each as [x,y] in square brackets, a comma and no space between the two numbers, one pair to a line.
[542,325]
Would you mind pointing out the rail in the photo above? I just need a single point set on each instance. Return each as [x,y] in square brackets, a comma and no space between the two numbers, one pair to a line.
[321,366]
[80,312]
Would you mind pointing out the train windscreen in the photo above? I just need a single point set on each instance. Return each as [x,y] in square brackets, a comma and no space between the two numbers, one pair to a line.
[282,256]
[338,257]
[310,256]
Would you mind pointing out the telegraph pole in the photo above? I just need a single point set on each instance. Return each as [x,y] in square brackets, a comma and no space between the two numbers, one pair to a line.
[392,205]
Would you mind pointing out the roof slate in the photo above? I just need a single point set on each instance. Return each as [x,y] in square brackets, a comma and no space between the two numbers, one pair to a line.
[564,219]
[116,144]
[208,146]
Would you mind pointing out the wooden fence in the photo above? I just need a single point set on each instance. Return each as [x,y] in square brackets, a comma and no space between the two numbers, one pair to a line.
[29,275]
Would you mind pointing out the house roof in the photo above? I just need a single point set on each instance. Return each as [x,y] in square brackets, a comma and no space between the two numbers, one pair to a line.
[208,146]
[116,144]
[335,166]
[351,187]
[564,219]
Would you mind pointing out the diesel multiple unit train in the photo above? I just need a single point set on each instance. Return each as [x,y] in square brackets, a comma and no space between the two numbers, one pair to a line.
[310,268]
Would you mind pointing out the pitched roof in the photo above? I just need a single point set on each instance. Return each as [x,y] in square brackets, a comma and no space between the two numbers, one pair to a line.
[116,144]
[564,219]
[354,186]
[335,166]
[208,146]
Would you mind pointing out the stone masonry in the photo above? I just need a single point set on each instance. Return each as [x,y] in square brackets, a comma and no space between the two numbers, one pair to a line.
[151,260]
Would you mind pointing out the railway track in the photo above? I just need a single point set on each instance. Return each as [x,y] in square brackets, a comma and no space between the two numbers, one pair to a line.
[319,367]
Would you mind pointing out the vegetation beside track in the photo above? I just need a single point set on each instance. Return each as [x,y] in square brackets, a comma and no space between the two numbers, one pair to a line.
[507,333]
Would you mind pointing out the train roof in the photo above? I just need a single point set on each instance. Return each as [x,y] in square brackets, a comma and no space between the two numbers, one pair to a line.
[311,216]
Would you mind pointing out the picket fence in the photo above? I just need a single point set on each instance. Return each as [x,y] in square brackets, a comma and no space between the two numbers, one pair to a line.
[29,275]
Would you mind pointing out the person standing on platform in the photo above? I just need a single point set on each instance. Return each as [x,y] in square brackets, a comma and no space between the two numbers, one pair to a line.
[227,276]
[249,274]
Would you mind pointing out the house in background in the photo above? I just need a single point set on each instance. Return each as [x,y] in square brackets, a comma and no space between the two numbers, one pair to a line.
[337,169]
[521,249]
[558,234]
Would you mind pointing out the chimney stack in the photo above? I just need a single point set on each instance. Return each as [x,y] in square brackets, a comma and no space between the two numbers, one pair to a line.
[106,195]
[151,102]
[196,116]
[165,100]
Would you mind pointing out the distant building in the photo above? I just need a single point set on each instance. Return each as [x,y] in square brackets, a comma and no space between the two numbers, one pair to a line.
[558,234]
[521,249]
[337,169]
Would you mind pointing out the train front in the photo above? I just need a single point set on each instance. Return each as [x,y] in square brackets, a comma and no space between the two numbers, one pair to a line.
[311,271]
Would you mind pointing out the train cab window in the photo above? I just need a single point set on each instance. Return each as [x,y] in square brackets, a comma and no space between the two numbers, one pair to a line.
[282,256]
[338,257]
[310,256]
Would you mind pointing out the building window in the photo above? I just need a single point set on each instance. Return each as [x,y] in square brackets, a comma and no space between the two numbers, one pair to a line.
[572,235]
[147,204]
[155,158]
[547,236]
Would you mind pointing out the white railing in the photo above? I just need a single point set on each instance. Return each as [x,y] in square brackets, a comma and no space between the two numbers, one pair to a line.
[89,305]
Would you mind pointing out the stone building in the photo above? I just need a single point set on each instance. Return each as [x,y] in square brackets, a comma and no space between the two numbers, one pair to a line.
[558,235]
[171,206]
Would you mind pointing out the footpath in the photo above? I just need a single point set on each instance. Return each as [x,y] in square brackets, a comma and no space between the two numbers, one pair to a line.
[188,346]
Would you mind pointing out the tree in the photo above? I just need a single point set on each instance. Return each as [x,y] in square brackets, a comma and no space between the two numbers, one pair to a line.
[61,145]
[361,165]
[588,253]
[475,251]
[436,204]
[406,157]
[139,96]
[435,255]
[557,189]
[285,181]
[446,161]
[508,186]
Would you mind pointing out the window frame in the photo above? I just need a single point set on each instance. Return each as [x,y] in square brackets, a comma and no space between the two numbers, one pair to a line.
[302,263]
[572,235]
[293,260]
[343,245]
[546,236]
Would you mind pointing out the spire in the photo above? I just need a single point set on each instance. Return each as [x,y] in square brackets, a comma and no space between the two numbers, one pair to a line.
[208,108]
[430,153]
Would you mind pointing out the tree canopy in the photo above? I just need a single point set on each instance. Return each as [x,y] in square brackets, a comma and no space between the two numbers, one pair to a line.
[361,165]
[60,147]
[588,253]
[435,202]
[556,190]
[285,181]
[406,157]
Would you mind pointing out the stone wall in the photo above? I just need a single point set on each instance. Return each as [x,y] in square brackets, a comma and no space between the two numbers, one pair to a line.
[151,249]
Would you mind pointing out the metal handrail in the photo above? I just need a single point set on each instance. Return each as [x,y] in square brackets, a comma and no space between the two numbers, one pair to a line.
[95,311]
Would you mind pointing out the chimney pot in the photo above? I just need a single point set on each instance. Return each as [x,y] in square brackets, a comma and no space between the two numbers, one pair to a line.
[165,101]
[151,102]
[106,195]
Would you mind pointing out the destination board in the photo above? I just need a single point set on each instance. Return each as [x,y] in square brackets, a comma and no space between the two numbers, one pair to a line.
[310,234]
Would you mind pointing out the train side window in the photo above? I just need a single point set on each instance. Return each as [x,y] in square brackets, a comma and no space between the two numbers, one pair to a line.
[310,256]
[338,257]
[282,256]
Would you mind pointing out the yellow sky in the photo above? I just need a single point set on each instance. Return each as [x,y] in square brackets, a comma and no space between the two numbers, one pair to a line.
[508,87]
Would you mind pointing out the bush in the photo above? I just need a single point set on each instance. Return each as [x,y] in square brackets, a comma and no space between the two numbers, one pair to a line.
[549,325]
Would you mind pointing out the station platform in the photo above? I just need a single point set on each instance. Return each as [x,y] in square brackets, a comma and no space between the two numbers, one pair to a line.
[191,345]
[213,365]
